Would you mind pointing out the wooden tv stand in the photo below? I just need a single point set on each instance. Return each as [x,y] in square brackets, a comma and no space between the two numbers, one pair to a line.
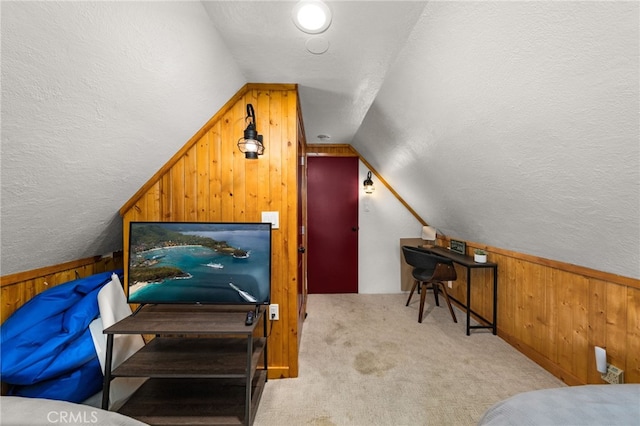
[205,366]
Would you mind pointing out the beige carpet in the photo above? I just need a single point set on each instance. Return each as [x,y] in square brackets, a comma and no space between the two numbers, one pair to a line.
[365,360]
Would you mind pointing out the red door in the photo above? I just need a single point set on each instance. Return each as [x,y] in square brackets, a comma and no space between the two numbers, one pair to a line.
[332,214]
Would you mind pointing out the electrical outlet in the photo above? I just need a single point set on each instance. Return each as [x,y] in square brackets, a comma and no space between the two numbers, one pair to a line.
[450,284]
[274,312]
[614,375]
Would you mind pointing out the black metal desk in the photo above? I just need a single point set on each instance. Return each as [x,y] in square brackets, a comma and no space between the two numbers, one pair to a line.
[469,263]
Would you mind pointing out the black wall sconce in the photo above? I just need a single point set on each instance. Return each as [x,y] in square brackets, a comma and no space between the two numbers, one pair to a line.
[368,184]
[251,144]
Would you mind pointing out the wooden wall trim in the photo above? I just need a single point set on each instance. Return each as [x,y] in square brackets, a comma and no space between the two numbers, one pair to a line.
[544,362]
[556,264]
[331,150]
[18,277]
[280,372]
[17,289]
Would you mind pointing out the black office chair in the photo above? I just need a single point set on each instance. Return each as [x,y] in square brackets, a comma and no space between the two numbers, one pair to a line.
[429,271]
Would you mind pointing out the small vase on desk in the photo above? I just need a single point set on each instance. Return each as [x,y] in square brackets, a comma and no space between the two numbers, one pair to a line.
[480,256]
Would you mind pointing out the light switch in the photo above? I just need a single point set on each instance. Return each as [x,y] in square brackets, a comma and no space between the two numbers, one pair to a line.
[273,217]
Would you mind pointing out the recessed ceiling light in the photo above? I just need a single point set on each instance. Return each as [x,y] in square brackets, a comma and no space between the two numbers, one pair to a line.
[311,16]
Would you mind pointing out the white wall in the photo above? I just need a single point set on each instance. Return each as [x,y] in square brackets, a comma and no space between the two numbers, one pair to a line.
[516,124]
[96,97]
[383,221]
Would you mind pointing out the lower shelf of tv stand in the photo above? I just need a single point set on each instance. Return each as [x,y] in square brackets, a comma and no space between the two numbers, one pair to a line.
[194,401]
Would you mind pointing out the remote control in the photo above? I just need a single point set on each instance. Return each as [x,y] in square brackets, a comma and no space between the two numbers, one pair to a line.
[250,317]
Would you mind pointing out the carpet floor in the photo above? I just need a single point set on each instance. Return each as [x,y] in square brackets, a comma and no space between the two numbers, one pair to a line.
[365,360]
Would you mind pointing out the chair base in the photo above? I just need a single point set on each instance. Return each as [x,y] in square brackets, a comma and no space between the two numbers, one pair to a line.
[436,286]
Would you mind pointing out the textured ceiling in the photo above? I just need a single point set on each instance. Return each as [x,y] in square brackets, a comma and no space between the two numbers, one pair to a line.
[511,124]
[336,87]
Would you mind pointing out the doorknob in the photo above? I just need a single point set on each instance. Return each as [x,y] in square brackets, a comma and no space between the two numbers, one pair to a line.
[301,249]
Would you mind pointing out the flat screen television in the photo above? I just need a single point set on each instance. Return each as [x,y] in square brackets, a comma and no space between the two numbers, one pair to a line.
[199,262]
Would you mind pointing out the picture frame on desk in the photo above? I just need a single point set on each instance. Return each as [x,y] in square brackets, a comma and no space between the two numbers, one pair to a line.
[459,247]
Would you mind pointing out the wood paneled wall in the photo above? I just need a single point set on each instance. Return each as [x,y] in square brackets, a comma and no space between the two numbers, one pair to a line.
[331,150]
[210,180]
[555,313]
[19,288]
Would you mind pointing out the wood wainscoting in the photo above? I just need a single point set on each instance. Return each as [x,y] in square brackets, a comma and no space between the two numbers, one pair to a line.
[555,313]
[19,288]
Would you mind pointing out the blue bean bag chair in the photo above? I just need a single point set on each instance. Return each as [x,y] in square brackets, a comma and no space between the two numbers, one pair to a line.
[46,346]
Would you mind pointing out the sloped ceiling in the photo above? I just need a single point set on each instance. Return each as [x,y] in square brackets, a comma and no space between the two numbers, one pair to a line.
[96,97]
[513,124]
[516,124]
[337,87]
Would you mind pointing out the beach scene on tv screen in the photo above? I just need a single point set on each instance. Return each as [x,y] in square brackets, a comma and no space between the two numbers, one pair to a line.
[199,263]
